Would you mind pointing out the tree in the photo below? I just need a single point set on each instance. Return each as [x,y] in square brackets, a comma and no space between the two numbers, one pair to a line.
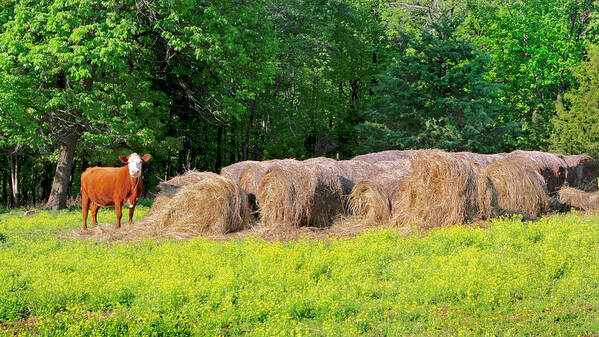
[436,95]
[533,43]
[74,64]
[576,126]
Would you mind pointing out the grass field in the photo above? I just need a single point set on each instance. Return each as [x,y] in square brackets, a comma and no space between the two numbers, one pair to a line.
[510,279]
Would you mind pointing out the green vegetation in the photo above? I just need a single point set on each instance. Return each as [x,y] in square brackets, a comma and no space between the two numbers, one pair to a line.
[202,84]
[513,278]
[577,122]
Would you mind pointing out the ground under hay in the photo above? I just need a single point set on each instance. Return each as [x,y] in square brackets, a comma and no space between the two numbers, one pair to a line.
[575,198]
[443,189]
[551,166]
[371,198]
[213,205]
[297,195]
[581,172]
[520,188]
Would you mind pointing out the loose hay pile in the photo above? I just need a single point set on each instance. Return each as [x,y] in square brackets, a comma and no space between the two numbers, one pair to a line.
[520,188]
[296,195]
[371,198]
[572,197]
[214,205]
[443,189]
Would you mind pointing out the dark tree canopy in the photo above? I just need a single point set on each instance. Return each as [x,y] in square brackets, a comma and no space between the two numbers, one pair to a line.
[202,84]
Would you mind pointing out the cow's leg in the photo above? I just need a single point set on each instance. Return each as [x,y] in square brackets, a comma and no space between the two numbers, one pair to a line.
[84,207]
[131,210]
[94,209]
[118,207]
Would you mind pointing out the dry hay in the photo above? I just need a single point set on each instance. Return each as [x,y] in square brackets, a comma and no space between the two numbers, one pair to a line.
[371,198]
[250,178]
[213,205]
[575,198]
[482,159]
[443,189]
[169,187]
[520,188]
[320,161]
[234,171]
[386,155]
[387,165]
[296,195]
[552,167]
[189,177]
[581,172]
[352,172]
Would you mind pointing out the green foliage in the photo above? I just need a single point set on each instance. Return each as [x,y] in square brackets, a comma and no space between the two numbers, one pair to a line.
[576,126]
[73,67]
[533,44]
[436,94]
[513,278]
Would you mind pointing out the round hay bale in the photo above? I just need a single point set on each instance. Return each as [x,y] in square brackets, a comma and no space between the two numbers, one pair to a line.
[169,187]
[388,165]
[296,195]
[215,205]
[581,172]
[234,171]
[575,198]
[352,172]
[250,178]
[520,188]
[482,159]
[371,198]
[320,161]
[443,189]
[189,177]
[552,167]
[386,155]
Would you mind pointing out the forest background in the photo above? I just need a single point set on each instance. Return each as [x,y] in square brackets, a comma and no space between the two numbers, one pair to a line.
[203,84]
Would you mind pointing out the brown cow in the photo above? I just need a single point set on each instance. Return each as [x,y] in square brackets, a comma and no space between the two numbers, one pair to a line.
[112,186]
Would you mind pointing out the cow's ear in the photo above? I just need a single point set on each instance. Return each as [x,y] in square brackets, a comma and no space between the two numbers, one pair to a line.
[123,159]
[146,157]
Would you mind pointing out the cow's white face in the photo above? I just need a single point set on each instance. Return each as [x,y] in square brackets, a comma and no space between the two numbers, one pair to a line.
[134,164]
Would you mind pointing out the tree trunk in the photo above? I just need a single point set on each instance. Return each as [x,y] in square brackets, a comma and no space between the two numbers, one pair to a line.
[4,189]
[246,142]
[62,176]
[14,179]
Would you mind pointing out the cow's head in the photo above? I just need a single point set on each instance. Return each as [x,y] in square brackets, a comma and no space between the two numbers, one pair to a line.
[134,162]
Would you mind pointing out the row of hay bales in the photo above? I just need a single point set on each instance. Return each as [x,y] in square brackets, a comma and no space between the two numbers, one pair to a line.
[423,187]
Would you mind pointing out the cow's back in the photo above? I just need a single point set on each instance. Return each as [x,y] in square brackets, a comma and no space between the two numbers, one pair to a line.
[104,185]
